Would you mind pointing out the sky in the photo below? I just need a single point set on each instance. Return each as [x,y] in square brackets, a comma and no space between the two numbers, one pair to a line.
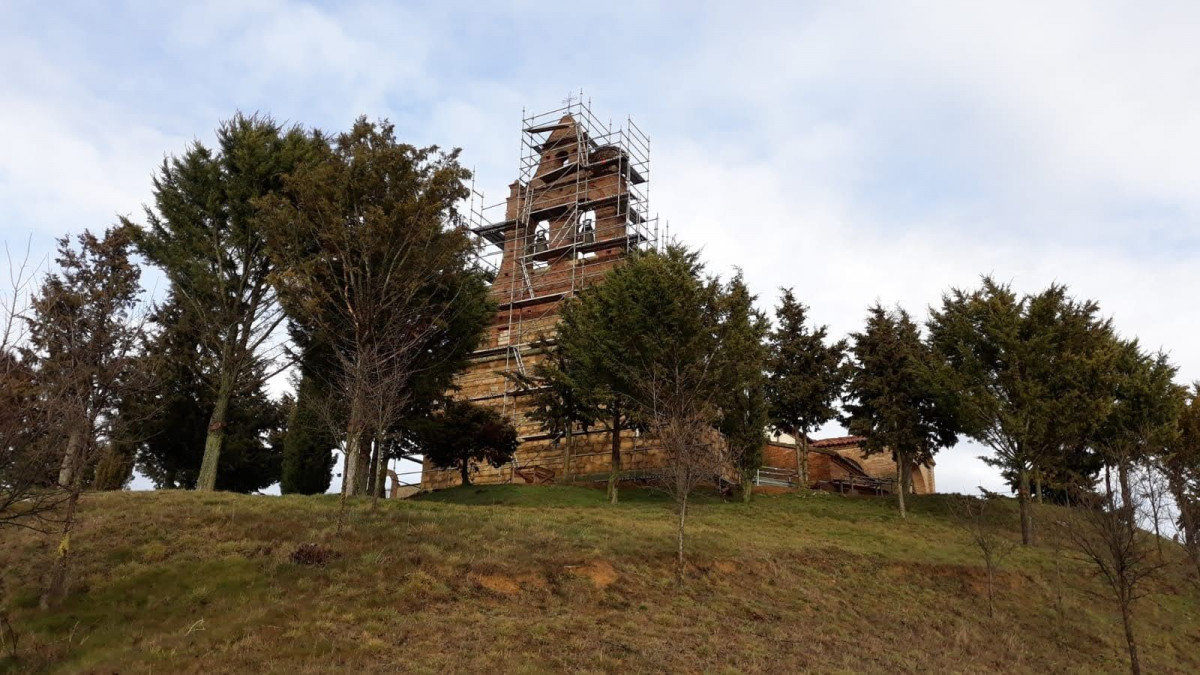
[853,151]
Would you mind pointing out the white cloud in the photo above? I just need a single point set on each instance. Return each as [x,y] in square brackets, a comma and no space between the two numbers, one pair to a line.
[855,151]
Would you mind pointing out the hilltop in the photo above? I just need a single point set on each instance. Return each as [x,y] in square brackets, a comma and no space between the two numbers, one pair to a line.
[535,579]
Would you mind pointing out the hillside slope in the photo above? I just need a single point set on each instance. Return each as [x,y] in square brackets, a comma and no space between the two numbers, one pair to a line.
[536,579]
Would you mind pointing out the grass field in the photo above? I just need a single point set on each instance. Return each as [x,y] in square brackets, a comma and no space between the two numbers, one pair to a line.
[532,579]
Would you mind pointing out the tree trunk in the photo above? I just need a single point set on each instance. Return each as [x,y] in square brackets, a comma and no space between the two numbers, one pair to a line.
[1126,616]
[207,481]
[464,470]
[372,468]
[901,489]
[567,454]
[1025,507]
[1038,477]
[801,443]
[615,469]
[1123,479]
[683,505]
[350,477]
[991,591]
[747,487]
[56,589]
[1187,518]
[71,460]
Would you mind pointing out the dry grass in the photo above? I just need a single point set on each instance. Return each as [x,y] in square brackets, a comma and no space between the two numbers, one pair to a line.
[538,579]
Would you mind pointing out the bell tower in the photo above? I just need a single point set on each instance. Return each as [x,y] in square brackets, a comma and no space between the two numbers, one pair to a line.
[578,207]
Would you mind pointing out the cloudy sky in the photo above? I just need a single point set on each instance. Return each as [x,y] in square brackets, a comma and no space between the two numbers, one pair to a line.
[854,151]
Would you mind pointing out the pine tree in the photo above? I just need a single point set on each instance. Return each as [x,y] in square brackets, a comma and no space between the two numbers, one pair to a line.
[891,398]
[1031,376]
[806,377]
[168,420]
[609,331]
[204,233]
[743,355]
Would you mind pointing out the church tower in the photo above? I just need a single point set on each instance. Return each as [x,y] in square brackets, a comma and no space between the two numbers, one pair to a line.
[578,207]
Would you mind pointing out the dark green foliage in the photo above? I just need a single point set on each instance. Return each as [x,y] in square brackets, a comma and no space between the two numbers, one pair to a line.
[83,335]
[205,234]
[806,375]
[462,432]
[891,398]
[308,444]
[1032,377]
[169,421]
[743,357]
[647,313]
[372,267]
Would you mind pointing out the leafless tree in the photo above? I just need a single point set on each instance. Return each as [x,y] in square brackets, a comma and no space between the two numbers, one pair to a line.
[1105,533]
[29,497]
[675,402]
[977,517]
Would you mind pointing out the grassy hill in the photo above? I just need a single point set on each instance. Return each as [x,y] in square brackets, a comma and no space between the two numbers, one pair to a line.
[536,579]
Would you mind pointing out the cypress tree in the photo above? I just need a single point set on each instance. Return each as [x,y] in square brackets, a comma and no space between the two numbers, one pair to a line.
[806,376]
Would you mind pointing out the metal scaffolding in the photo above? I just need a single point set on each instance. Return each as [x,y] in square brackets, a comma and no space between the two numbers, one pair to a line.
[581,200]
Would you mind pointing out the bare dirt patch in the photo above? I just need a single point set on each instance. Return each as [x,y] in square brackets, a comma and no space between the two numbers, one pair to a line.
[601,573]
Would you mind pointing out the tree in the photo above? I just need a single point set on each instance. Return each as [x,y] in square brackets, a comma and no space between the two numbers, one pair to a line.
[742,395]
[167,420]
[28,463]
[463,432]
[1180,461]
[84,330]
[605,325]
[806,377]
[1030,375]
[205,234]
[891,398]
[976,516]
[1143,415]
[369,262]
[559,402]
[307,444]
[309,441]
[1105,533]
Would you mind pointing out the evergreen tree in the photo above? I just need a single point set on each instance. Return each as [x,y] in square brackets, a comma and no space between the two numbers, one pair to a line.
[308,443]
[83,338]
[1144,415]
[1031,376]
[891,398]
[370,262]
[1180,461]
[559,403]
[463,432]
[742,398]
[613,330]
[204,233]
[168,420]
[806,376]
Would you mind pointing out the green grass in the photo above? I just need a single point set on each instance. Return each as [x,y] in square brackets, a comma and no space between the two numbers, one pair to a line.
[526,579]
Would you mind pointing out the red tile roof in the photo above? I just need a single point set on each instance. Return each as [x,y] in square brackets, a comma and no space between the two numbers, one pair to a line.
[837,441]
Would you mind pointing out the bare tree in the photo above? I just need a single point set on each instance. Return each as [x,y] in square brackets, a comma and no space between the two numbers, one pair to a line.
[976,516]
[1104,532]
[675,401]
[28,494]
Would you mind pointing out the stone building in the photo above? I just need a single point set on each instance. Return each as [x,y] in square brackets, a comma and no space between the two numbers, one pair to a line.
[578,207]
[841,464]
